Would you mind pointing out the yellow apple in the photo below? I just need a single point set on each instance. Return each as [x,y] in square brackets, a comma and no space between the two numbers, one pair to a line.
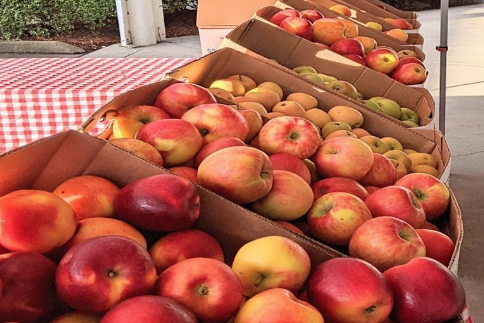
[305,100]
[346,114]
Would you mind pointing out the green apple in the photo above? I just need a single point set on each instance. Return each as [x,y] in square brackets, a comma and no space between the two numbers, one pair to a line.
[327,78]
[345,88]
[375,144]
[372,105]
[377,98]
[314,77]
[390,107]
[411,123]
[408,114]
[333,126]
[305,70]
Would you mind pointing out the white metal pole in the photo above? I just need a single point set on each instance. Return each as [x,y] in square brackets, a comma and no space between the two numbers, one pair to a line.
[443,48]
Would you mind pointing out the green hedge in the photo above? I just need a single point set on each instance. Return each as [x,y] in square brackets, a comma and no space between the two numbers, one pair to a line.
[43,18]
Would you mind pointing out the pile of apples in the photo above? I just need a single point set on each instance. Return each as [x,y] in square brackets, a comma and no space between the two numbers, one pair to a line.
[382,104]
[91,252]
[341,37]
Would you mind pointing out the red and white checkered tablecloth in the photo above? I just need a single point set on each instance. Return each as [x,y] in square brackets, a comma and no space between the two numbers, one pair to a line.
[43,96]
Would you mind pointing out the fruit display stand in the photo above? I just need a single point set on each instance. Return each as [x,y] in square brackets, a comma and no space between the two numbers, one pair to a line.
[363,16]
[414,39]
[44,164]
[300,52]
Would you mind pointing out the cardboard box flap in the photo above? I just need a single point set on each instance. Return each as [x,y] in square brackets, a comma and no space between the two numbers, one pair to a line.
[226,13]
[382,39]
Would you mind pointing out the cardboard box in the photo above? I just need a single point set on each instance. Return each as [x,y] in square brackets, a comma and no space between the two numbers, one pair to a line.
[226,62]
[414,39]
[370,5]
[367,16]
[216,18]
[47,163]
[300,52]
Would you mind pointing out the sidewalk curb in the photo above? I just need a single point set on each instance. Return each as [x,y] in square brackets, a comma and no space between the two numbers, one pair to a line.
[38,47]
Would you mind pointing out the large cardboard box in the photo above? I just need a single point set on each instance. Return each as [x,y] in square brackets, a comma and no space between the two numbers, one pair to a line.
[226,62]
[364,16]
[46,163]
[414,39]
[300,52]
[216,18]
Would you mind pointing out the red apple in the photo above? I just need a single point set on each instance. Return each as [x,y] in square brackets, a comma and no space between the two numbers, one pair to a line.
[350,290]
[185,172]
[334,217]
[216,145]
[408,60]
[149,309]
[130,120]
[344,157]
[301,27]
[78,317]
[159,203]
[291,135]
[89,196]
[283,14]
[401,24]
[140,149]
[98,273]
[432,193]
[338,184]
[215,121]
[289,199]
[277,305]
[182,245]
[311,15]
[398,202]
[371,189]
[3,250]
[430,226]
[438,246]
[99,227]
[425,292]
[178,141]
[292,164]
[381,174]
[290,226]
[356,58]
[178,98]
[395,244]
[348,46]
[207,287]
[26,285]
[382,59]
[240,174]
[35,221]
[410,74]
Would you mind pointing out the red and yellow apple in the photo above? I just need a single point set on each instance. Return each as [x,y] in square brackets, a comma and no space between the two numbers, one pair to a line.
[381,174]
[327,31]
[298,26]
[283,14]
[129,121]
[217,145]
[382,59]
[291,164]
[140,149]
[185,172]
[438,246]
[338,184]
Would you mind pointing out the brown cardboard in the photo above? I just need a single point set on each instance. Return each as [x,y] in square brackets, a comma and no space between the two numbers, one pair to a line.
[369,6]
[300,52]
[364,16]
[49,162]
[415,40]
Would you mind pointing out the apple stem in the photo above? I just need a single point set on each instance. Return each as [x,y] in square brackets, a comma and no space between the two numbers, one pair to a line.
[370,309]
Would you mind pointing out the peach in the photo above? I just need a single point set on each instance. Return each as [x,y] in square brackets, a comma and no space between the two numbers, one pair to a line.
[89,196]
[34,220]
[178,246]
[129,121]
